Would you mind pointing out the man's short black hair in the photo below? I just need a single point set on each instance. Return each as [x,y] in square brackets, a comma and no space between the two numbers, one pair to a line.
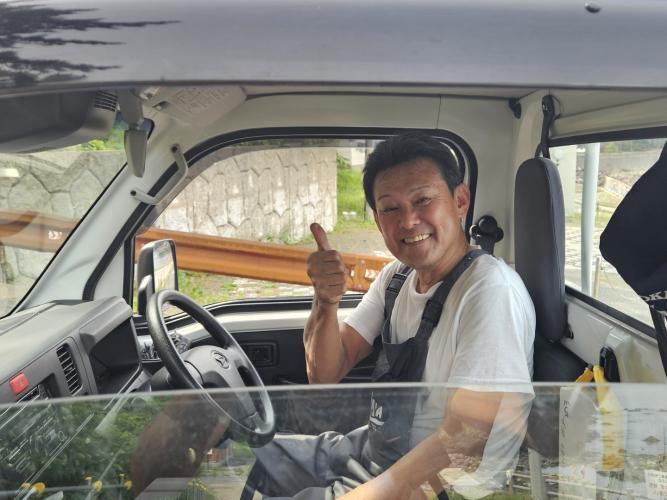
[408,147]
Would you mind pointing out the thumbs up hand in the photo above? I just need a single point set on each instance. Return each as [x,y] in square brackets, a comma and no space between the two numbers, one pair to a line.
[326,269]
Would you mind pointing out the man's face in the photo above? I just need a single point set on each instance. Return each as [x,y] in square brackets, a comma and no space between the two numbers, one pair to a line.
[419,218]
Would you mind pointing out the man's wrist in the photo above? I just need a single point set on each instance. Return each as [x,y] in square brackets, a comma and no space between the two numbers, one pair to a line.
[326,305]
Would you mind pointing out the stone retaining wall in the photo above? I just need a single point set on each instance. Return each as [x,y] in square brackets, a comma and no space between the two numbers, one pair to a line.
[270,195]
[61,183]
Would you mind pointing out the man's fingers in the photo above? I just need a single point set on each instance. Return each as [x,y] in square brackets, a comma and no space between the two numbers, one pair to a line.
[320,236]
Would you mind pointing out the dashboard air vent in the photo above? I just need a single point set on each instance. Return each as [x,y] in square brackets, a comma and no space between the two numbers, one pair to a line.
[69,368]
[106,100]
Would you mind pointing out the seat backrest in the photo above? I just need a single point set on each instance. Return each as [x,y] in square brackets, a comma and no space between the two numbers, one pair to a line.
[539,242]
[539,239]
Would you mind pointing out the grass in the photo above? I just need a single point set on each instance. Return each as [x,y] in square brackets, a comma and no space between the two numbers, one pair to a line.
[351,211]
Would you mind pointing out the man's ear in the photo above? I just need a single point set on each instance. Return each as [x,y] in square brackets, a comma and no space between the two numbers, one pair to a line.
[462,199]
[375,218]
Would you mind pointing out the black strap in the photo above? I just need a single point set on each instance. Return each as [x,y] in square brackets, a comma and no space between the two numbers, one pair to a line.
[549,112]
[661,336]
[391,293]
[433,309]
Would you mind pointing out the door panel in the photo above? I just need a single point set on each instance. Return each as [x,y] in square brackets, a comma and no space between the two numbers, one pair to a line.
[636,352]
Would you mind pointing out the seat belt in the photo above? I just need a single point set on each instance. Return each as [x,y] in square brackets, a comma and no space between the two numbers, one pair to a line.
[549,112]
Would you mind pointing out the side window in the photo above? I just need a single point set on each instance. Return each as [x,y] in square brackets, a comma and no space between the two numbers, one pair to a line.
[595,179]
[241,226]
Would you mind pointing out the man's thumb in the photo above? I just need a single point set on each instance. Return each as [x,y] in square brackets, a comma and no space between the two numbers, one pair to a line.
[320,236]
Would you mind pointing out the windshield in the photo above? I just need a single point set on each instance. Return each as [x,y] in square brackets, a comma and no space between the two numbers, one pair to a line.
[42,197]
[572,441]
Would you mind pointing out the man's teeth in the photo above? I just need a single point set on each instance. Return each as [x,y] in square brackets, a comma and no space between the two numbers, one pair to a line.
[417,238]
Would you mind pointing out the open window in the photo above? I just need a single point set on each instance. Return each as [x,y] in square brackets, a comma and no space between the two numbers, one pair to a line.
[241,226]
[595,178]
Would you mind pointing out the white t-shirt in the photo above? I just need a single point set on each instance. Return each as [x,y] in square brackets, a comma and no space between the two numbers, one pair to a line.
[483,342]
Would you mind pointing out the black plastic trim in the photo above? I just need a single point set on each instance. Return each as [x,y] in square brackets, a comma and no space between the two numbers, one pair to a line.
[128,271]
[618,135]
[614,313]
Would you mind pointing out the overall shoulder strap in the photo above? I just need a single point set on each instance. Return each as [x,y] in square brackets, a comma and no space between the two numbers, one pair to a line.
[390,294]
[434,305]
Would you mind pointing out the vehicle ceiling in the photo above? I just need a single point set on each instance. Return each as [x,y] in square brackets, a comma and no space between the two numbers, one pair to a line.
[450,42]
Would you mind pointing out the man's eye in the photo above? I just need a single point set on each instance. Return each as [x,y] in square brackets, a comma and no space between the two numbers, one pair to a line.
[424,200]
[387,210]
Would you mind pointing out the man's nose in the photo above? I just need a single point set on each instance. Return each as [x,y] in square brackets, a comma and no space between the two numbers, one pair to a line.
[409,218]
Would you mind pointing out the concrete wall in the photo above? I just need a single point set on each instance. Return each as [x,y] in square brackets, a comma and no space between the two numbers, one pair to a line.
[625,167]
[62,183]
[270,195]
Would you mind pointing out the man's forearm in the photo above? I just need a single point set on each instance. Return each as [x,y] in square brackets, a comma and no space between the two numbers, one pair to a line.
[403,480]
[325,353]
[423,462]
[462,433]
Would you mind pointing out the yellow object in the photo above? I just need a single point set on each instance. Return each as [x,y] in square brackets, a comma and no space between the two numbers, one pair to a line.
[97,486]
[598,375]
[37,487]
[611,419]
[587,376]
[128,485]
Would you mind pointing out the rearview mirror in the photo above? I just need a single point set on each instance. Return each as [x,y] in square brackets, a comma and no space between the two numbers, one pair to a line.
[157,270]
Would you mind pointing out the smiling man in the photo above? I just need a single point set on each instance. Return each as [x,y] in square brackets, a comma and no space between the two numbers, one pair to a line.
[447,313]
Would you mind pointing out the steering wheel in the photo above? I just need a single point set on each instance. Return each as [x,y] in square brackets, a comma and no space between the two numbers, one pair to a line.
[249,413]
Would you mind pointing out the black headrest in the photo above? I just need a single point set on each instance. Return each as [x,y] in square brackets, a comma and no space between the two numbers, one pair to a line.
[539,228]
[635,240]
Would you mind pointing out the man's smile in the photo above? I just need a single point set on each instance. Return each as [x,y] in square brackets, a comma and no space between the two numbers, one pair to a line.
[417,238]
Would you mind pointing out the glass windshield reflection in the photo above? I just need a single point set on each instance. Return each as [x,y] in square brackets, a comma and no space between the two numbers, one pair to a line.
[575,440]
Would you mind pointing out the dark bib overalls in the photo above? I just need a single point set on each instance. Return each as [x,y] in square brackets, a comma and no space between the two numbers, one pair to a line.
[393,410]
[329,465]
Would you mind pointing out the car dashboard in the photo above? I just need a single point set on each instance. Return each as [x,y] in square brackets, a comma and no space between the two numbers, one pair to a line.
[68,349]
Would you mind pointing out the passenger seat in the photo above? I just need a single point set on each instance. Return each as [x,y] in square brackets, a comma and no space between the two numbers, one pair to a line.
[539,242]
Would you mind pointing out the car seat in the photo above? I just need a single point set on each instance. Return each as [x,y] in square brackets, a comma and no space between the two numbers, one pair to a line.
[539,242]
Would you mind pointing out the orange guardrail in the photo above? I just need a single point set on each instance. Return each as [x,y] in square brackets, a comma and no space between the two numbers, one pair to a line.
[197,252]
[263,261]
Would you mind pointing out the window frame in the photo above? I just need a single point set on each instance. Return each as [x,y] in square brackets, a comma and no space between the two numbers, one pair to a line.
[599,137]
[126,236]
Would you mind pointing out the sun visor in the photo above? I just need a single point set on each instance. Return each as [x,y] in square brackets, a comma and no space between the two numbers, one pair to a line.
[49,121]
[635,240]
